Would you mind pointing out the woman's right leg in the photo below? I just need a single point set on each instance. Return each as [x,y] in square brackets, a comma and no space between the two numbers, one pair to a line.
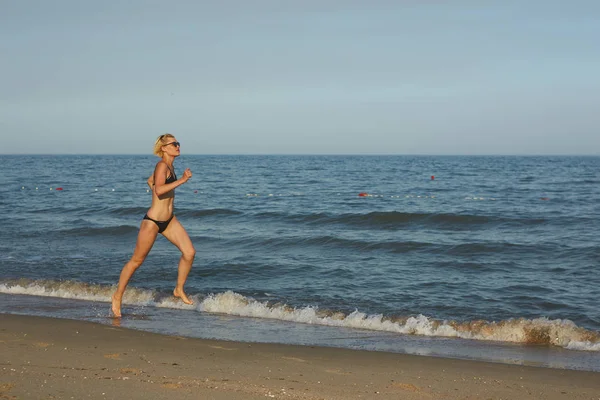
[145,241]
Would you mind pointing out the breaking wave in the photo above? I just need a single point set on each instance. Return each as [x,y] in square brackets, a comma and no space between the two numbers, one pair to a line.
[539,331]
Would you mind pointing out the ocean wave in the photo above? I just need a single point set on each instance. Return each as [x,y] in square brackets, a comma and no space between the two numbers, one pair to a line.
[181,212]
[392,246]
[100,231]
[539,331]
[330,241]
[396,219]
[129,211]
[55,210]
[207,212]
[70,290]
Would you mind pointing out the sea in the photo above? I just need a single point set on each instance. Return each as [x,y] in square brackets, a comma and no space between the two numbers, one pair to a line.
[493,258]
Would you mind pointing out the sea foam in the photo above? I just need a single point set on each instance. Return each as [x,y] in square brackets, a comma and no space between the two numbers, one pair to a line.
[540,331]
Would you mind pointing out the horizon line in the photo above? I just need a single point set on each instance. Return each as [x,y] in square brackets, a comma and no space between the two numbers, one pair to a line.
[321,154]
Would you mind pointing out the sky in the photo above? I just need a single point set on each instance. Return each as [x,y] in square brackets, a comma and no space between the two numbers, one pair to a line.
[300,77]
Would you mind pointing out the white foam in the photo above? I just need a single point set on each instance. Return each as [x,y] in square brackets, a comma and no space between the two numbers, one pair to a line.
[584,346]
[562,333]
[171,302]
[76,290]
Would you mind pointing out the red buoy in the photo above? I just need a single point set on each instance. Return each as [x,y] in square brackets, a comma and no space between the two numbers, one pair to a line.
[432,177]
[59,188]
[363,194]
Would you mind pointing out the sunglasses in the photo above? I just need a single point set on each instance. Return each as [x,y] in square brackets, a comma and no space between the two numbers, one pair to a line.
[175,144]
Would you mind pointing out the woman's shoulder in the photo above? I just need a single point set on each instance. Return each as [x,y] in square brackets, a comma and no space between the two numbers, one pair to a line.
[161,164]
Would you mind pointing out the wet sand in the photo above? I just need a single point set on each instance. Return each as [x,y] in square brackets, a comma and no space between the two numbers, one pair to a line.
[45,358]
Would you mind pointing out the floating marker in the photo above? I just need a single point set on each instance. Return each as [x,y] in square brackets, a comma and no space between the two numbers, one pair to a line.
[432,177]
[363,194]
[59,188]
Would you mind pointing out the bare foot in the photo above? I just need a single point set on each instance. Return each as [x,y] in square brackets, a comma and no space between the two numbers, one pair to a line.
[116,306]
[181,294]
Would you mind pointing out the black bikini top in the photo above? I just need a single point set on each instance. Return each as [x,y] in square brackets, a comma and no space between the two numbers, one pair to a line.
[171,178]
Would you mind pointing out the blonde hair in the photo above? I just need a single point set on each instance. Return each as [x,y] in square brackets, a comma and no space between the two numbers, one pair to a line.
[160,142]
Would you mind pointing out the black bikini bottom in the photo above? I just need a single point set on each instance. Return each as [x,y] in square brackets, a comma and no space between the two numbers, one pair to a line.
[162,225]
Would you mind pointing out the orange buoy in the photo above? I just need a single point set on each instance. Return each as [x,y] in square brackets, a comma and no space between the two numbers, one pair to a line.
[363,194]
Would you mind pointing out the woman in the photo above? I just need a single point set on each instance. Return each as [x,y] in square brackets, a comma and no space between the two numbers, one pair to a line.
[160,219]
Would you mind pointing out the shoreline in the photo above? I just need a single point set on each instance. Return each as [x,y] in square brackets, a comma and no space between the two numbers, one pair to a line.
[57,358]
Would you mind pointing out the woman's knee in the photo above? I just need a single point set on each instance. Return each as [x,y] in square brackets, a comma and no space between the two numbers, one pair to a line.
[136,262]
[189,254]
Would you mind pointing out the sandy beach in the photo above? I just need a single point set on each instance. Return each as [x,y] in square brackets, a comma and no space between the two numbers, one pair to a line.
[45,358]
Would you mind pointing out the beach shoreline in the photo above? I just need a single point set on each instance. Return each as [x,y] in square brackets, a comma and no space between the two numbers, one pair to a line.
[56,358]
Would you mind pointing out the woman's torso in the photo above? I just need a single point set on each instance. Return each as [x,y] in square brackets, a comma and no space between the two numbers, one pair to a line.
[162,206]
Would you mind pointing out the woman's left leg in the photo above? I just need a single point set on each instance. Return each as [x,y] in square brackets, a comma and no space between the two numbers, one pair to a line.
[177,235]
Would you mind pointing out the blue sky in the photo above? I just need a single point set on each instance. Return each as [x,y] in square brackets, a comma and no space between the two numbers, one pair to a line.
[308,77]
